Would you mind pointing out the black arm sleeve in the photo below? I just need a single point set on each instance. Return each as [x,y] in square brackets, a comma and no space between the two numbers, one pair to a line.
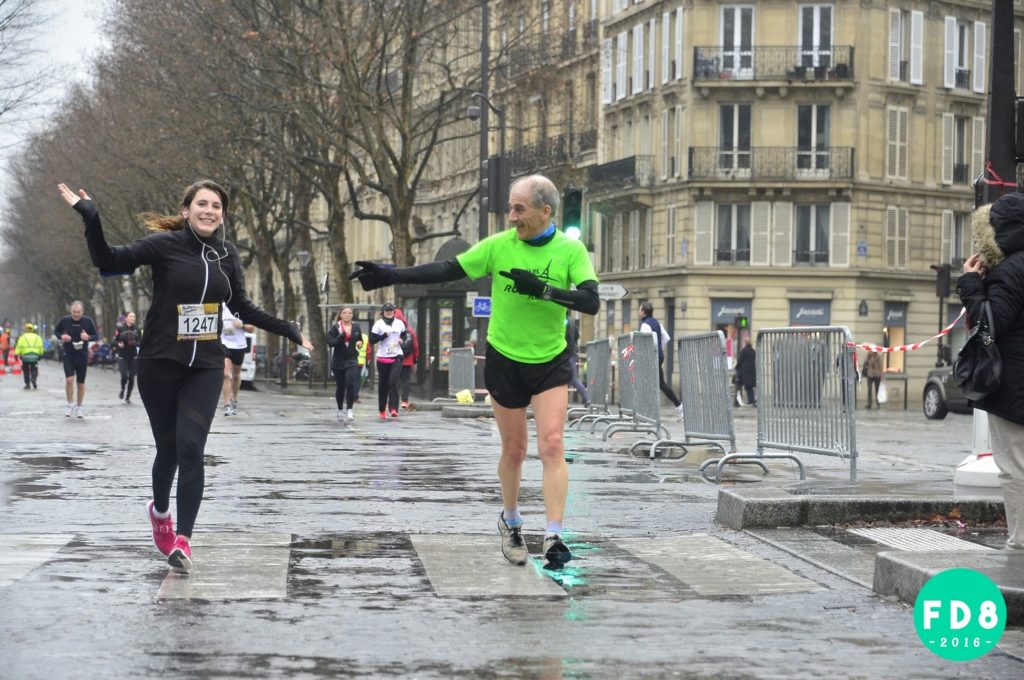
[583,299]
[432,272]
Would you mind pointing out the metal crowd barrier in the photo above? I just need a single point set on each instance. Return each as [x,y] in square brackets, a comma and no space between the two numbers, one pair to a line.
[597,377]
[461,372]
[639,390]
[805,396]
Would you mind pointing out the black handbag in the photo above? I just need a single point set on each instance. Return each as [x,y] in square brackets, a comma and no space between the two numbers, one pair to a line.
[978,364]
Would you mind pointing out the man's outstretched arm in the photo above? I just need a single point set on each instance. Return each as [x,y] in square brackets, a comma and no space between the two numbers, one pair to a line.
[372,276]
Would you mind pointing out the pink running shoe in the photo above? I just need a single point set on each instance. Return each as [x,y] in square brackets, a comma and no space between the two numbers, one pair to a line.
[180,558]
[163,530]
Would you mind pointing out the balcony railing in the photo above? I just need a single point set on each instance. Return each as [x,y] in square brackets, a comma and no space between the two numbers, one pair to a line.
[773,63]
[569,44]
[626,173]
[810,256]
[590,35]
[963,78]
[903,71]
[552,152]
[771,163]
[961,173]
[732,256]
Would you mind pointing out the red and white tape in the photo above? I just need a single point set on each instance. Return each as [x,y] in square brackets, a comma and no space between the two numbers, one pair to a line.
[908,348]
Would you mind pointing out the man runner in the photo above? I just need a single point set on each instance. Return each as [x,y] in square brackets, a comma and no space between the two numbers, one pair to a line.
[76,331]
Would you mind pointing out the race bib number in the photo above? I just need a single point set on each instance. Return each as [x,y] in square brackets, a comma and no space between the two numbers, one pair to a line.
[198,322]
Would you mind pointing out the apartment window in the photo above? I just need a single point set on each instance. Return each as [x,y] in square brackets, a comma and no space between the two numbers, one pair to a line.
[622,41]
[964,58]
[737,41]
[811,236]
[732,233]
[961,160]
[963,145]
[670,235]
[646,237]
[896,237]
[896,142]
[628,141]
[816,35]
[956,245]
[813,132]
[591,119]
[734,140]
[645,136]
[906,46]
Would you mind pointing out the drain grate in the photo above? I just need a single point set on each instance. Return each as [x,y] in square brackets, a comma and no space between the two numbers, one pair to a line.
[916,540]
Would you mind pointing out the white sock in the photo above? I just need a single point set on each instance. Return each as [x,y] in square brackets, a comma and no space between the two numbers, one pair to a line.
[161,515]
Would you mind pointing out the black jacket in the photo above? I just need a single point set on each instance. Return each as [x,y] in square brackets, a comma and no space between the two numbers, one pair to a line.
[186,270]
[129,337]
[1001,243]
[345,351]
[74,329]
[746,367]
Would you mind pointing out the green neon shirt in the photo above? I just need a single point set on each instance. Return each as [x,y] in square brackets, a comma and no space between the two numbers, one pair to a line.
[524,328]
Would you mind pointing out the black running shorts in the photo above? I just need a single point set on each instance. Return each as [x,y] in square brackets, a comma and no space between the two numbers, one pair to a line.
[237,356]
[512,383]
[75,368]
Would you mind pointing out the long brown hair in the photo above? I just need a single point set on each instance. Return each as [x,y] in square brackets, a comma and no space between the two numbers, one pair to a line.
[337,317]
[157,222]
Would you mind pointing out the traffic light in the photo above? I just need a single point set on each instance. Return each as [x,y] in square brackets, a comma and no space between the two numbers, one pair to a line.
[494,181]
[572,213]
[942,280]
[742,322]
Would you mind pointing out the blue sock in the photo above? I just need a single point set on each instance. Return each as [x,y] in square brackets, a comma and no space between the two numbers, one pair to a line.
[554,527]
[512,517]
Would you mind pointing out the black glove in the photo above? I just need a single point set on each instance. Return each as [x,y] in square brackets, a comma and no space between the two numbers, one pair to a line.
[372,276]
[528,283]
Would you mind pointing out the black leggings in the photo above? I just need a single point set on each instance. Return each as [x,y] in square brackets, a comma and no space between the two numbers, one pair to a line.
[30,371]
[665,389]
[387,384]
[180,402]
[347,381]
[129,367]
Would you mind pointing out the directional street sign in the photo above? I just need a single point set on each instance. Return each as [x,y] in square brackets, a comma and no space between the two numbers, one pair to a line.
[611,291]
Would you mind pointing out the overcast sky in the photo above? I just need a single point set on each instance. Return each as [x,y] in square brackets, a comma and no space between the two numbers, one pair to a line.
[70,38]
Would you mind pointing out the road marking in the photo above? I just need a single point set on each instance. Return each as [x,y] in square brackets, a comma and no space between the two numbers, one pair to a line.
[713,567]
[21,553]
[233,567]
[471,565]
[916,539]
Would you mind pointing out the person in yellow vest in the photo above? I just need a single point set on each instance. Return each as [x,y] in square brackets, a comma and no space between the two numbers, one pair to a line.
[30,349]
[364,361]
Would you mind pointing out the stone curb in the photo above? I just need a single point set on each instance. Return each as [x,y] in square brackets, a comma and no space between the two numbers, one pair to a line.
[775,507]
[903,574]
[466,411]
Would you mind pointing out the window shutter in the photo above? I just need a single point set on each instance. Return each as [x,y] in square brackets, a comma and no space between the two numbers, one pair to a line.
[760,233]
[638,58]
[978,150]
[890,237]
[839,247]
[670,235]
[652,60]
[947,148]
[892,153]
[979,56]
[782,245]
[678,146]
[620,66]
[704,227]
[901,238]
[666,51]
[902,142]
[679,43]
[946,246]
[917,48]
[666,131]
[949,62]
[606,71]
[1016,61]
[895,40]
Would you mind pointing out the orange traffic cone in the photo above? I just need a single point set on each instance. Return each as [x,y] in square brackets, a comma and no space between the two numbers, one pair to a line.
[16,370]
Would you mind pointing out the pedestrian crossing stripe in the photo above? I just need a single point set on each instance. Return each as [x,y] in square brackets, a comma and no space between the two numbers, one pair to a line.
[233,567]
[21,553]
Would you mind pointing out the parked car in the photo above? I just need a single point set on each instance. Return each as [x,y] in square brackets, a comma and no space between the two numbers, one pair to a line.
[942,395]
[249,362]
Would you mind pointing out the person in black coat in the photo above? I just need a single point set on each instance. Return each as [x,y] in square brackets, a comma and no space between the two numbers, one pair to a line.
[996,274]
[746,371]
[346,337]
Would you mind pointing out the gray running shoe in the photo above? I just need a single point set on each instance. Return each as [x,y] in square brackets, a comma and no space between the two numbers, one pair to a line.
[227,409]
[555,552]
[513,547]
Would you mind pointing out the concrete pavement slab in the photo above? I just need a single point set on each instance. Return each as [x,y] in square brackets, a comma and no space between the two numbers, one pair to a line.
[230,566]
[21,553]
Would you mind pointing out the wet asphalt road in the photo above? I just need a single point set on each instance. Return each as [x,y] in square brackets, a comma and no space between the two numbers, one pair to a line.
[357,599]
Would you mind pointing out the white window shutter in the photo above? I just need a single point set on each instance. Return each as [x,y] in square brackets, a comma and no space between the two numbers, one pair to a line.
[949,61]
[902,142]
[679,43]
[890,236]
[892,132]
[760,233]
[666,48]
[704,224]
[1016,61]
[978,147]
[839,230]
[678,146]
[606,71]
[916,48]
[652,60]
[666,133]
[895,42]
[979,56]
[782,227]
[946,247]
[947,148]
[901,239]
[620,66]
[638,58]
